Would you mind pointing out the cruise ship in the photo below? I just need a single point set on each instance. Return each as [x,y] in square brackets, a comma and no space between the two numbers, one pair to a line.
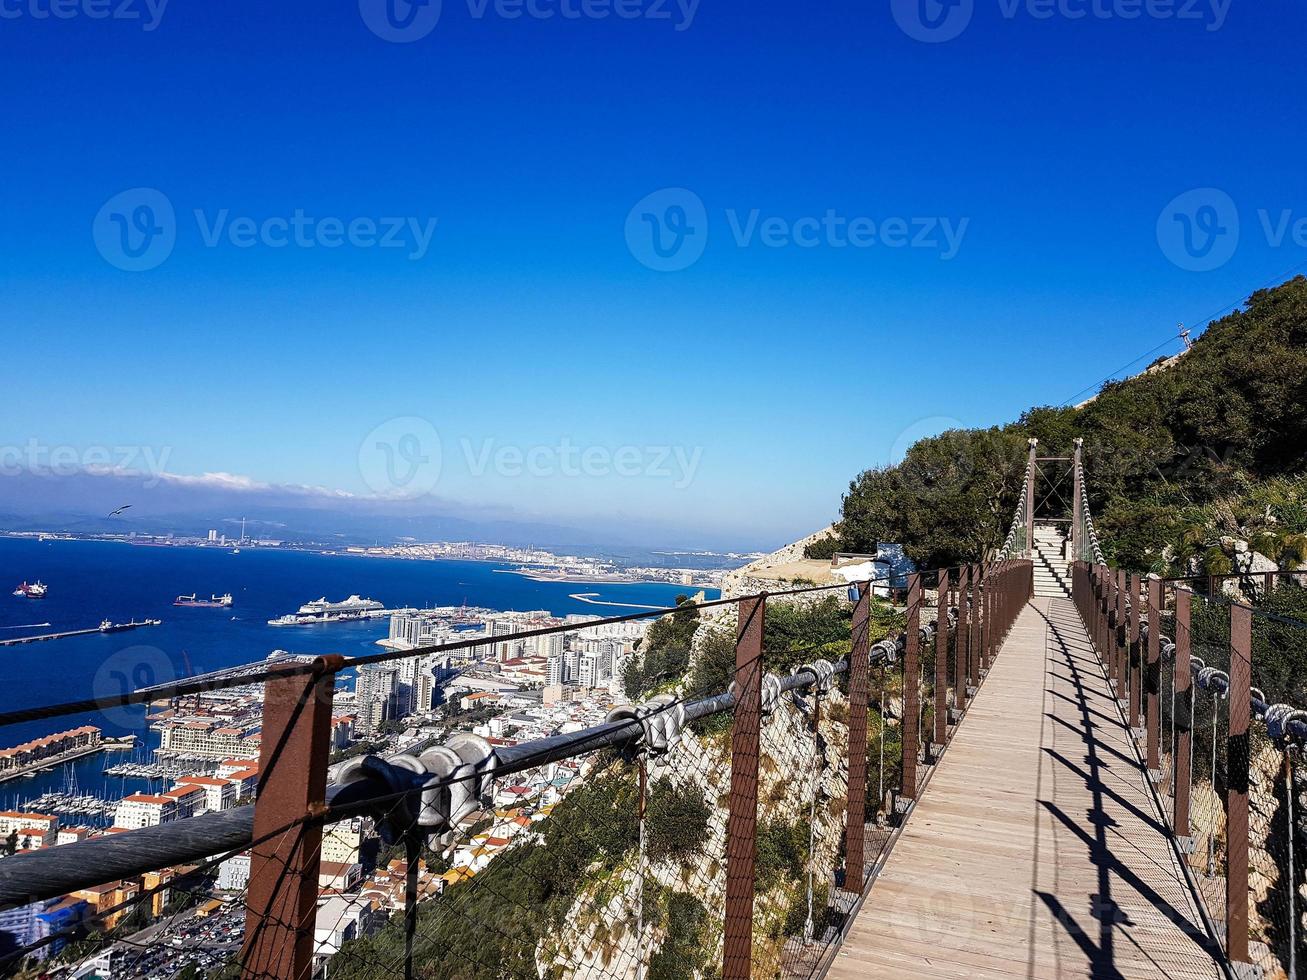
[323,611]
[355,603]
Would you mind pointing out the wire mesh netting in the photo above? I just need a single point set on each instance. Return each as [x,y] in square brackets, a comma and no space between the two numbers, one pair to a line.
[609,856]
[1198,771]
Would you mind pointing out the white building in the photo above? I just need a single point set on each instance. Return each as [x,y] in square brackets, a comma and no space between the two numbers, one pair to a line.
[342,842]
[219,794]
[589,670]
[144,810]
[234,873]
[340,919]
[374,692]
[34,830]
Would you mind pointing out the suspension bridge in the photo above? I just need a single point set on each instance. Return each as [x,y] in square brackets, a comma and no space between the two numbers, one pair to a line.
[1049,769]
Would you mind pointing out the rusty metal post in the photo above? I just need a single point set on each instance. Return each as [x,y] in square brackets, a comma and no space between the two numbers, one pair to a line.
[1122,631]
[1153,679]
[1103,607]
[1135,661]
[993,626]
[973,642]
[1096,600]
[983,624]
[859,683]
[962,644]
[1107,621]
[742,819]
[1030,498]
[911,694]
[281,901]
[1184,721]
[1077,501]
[941,665]
[1237,758]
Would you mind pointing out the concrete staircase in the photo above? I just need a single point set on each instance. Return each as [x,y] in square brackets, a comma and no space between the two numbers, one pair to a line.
[1052,569]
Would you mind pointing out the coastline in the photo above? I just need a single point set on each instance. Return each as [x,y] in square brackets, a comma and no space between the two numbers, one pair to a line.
[53,762]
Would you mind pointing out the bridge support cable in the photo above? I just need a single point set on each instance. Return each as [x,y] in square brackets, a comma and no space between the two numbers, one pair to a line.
[672,814]
[1234,806]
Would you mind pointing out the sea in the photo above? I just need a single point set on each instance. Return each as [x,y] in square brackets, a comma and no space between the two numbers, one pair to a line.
[90,581]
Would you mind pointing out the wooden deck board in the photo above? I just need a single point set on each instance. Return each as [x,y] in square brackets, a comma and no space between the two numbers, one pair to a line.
[1036,850]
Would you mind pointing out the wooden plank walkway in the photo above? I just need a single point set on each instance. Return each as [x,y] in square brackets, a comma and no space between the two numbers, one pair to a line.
[1036,849]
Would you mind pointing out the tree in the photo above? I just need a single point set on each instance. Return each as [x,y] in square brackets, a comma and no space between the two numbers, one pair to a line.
[950,500]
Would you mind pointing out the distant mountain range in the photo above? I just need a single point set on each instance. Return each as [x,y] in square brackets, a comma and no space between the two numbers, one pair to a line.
[81,503]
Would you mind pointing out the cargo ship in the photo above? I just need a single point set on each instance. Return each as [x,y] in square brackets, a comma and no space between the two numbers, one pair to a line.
[213,602]
[32,590]
[108,626]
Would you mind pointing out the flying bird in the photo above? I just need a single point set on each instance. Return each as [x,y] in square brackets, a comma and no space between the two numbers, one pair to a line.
[119,510]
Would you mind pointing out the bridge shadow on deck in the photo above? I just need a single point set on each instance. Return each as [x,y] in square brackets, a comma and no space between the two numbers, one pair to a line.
[1087,679]
[1037,850]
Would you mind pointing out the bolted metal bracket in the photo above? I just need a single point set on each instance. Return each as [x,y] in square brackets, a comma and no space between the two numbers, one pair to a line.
[1139,733]
[954,716]
[1246,971]
[971,691]
[1186,844]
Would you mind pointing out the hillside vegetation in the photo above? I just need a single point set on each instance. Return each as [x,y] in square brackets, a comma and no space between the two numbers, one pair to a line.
[1182,462]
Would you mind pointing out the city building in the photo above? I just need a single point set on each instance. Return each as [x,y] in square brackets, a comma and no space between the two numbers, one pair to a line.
[588,673]
[234,873]
[342,843]
[208,738]
[117,895]
[219,793]
[33,830]
[51,748]
[144,810]
[29,924]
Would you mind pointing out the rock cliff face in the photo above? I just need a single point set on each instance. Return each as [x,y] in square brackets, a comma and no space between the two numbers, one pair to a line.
[802,783]
[784,566]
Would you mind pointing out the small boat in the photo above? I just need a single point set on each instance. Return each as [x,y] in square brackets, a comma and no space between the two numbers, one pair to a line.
[31,590]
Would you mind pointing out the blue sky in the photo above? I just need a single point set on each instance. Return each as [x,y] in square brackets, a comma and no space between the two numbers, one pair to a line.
[1052,146]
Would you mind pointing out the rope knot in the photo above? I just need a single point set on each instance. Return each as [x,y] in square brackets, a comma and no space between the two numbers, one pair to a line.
[1216,681]
[1278,717]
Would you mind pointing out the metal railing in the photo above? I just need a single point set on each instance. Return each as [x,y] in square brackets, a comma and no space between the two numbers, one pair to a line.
[1224,755]
[785,832]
